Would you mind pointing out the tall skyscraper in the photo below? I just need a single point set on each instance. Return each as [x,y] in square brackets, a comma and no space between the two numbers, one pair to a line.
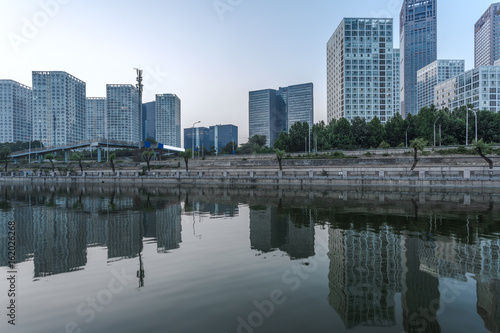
[96,119]
[148,120]
[486,37]
[360,71]
[15,112]
[418,42]
[59,101]
[122,107]
[431,75]
[272,112]
[168,119]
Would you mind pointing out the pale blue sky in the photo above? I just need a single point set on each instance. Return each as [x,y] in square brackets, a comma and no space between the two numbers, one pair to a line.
[186,48]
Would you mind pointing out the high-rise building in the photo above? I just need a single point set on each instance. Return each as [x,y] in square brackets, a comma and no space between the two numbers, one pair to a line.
[201,138]
[272,112]
[418,43]
[299,103]
[122,107]
[360,71]
[396,80]
[59,101]
[168,119]
[431,75]
[96,119]
[15,112]
[220,135]
[486,40]
[476,87]
[264,116]
[148,120]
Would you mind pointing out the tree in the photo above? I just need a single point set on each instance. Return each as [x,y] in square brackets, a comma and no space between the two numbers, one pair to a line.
[360,132]
[4,155]
[376,130]
[282,142]
[147,155]
[186,155]
[254,144]
[78,157]
[483,148]
[279,155]
[417,144]
[228,149]
[298,134]
[342,133]
[112,158]
[395,131]
[50,157]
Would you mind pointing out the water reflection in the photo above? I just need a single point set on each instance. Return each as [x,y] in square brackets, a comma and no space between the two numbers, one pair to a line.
[390,262]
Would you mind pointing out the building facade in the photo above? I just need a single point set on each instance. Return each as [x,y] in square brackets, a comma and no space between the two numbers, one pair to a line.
[486,38]
[476,87]
[15,112]
[418,43]
[122,107]
[360,70]
[220,135]
[274,111]
[201,138]
[59,107]
[396,80]
[436,72]
[149,120]
[168,119]
[96,119]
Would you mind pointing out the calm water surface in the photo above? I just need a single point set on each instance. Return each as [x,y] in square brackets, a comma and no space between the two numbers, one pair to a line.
[124,259]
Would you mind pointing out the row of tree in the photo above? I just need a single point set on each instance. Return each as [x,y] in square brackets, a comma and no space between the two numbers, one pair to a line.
[448,128]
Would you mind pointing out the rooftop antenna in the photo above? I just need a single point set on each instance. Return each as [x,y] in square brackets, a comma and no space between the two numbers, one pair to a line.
[140,88]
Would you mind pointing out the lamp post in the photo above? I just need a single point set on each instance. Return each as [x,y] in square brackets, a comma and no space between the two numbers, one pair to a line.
[407,136]
[467,125]
[192,147]
[435,131]
[475,115]
[439,134]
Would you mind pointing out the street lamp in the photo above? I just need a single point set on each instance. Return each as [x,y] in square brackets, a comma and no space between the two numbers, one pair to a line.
[467,125]
[192,147]
[435,131]
[407,136]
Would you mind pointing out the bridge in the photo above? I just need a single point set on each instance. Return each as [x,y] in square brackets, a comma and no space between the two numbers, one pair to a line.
[98,144]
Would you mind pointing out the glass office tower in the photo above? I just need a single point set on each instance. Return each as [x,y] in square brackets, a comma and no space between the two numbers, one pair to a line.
[486,37]
[418,44]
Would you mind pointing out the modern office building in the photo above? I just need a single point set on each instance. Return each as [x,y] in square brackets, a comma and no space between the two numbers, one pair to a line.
[486,37]
[149,120]
[396,80]
[274,111]
[265,118]
[201,138]
[15,112]
[59,109]
[360,71]
[122,107]
[220,135]
[418,43]
[298,102]
[476,87]
[436,72]
[96,119]
[168,119]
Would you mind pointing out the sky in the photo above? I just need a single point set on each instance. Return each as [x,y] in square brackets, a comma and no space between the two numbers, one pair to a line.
[210,53]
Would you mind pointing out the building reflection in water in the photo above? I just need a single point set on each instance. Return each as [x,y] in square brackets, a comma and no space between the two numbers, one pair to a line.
[369,268]
[56,231]
[291,231]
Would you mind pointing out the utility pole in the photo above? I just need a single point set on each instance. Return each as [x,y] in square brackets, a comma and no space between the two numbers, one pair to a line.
[140,88]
